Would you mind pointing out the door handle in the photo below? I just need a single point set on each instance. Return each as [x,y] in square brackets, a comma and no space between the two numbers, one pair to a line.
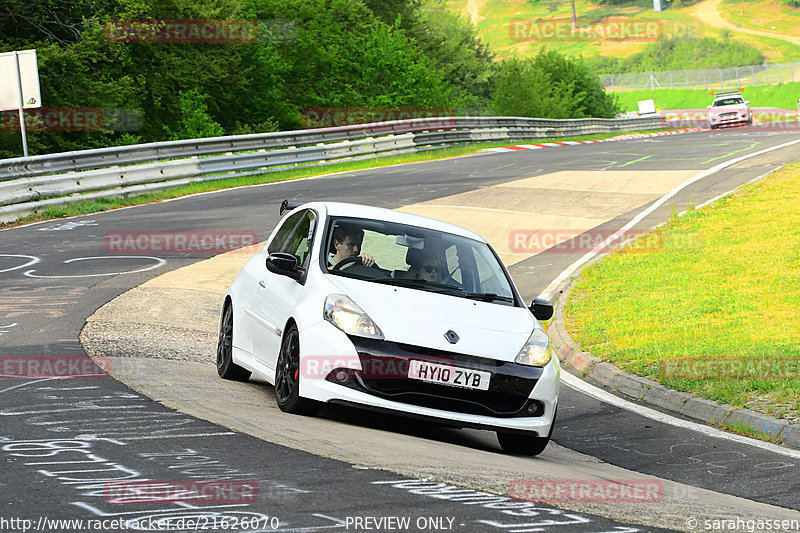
[263,284]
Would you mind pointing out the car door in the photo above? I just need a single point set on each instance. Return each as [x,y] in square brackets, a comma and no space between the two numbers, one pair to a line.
[276,294]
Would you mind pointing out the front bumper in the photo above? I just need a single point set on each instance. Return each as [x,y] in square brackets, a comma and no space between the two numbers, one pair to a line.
[728,120]
[519,398]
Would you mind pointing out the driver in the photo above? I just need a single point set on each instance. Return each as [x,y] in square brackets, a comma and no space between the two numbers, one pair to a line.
[347,243]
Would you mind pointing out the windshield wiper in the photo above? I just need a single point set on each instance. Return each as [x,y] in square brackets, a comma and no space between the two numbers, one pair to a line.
[417,283]
[488,297]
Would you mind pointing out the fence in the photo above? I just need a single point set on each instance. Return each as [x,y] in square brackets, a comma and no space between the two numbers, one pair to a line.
[30,184]
[708,79]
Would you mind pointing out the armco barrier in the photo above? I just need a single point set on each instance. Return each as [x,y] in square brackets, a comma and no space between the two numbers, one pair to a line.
[29,184]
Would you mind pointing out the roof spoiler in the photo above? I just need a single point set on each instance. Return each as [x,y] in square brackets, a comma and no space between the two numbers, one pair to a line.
[286,205]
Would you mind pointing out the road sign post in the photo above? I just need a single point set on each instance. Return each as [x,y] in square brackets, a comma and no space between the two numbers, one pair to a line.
[20,87]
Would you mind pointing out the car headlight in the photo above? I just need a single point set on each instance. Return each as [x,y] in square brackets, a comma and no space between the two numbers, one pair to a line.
[536,351]
[343,313]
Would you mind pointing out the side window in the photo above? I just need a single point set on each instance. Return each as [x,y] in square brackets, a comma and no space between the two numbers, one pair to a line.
[490,277]
[299,242]
[453,265]
[283,232]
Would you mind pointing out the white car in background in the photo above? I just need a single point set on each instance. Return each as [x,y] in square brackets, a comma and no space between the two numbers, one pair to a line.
[459,348]
[729,108]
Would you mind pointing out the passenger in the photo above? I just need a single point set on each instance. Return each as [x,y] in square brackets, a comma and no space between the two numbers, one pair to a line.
[424,266]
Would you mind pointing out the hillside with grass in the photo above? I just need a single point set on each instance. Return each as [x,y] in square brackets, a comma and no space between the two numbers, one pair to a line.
[614,29]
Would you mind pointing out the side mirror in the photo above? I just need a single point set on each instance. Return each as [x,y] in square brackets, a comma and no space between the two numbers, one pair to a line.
[747,102]
[541,309]
[283,264]
[709,107]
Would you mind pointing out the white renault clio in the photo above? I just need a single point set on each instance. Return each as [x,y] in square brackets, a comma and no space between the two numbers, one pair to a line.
[383,310]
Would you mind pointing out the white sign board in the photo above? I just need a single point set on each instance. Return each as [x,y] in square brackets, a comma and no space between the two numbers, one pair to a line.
[9,86]
[647,107]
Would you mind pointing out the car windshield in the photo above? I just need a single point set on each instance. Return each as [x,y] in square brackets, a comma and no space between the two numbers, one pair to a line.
[417,258]
[728,101]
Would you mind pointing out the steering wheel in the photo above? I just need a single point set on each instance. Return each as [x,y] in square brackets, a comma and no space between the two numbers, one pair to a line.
[346,262]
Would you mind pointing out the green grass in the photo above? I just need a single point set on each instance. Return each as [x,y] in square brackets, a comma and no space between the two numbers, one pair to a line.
[106,204]
[782,96]
[762,15]
[498,19]
[743,429]
[720,282]
[496,26]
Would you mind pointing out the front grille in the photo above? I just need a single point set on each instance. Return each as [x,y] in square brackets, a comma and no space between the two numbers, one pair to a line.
[507,396]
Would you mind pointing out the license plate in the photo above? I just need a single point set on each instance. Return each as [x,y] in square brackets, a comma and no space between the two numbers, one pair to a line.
[449,375]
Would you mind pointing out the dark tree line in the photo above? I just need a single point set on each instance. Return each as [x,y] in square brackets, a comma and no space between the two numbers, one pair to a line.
[303,54]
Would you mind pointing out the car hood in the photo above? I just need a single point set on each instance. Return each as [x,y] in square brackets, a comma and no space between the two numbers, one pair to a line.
[728,109]
[421,318]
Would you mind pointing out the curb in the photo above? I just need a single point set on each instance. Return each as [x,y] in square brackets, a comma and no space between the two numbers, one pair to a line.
[584,365]
[625,137]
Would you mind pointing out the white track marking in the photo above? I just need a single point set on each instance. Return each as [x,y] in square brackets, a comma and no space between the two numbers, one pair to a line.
[550,292]
[33,261]
[159,262]
[578,384]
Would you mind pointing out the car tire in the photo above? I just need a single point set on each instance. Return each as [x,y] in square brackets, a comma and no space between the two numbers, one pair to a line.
[521,444]
[226,368]
[714,126]
[287,378]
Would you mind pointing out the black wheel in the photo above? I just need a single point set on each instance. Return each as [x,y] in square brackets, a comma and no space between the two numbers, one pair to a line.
[226,368]
[287,378]
[518,443]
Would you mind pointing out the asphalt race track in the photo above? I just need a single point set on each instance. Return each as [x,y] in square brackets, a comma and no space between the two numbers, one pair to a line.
[65,442]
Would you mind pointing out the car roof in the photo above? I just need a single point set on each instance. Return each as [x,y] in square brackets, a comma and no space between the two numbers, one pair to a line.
[341,209]
[721,96]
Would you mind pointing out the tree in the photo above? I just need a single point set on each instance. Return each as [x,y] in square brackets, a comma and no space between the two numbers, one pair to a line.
[550,85]
[194,121]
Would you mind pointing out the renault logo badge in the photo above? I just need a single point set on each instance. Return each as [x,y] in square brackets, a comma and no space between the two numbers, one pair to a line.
[451,337]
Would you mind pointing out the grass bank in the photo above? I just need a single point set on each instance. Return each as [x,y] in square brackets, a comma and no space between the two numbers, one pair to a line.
[783,96]
[106,204]
[762,15]
[506,25]
[709,303]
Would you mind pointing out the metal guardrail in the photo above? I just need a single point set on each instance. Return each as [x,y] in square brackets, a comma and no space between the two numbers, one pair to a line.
[29,184]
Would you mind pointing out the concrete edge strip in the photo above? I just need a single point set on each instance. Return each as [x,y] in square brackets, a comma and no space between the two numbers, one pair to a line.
[649,391]
[626,137]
